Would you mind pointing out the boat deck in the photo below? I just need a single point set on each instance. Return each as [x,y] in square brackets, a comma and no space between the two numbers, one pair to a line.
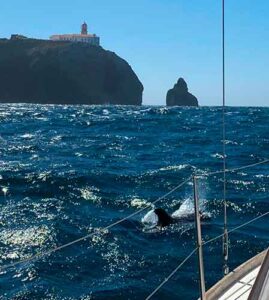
[238,284]
[242,287]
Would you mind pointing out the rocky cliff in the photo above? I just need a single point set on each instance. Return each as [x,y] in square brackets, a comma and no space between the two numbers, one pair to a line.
[40,71]
[179,95]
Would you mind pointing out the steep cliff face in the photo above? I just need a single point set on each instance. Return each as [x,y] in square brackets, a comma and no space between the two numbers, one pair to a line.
[179,95]
[39,71]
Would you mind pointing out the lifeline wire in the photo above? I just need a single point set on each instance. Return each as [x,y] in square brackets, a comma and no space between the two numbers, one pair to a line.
[236,228]
[233,169]
[204,243]
[42,254]
[39,255]
[171,274]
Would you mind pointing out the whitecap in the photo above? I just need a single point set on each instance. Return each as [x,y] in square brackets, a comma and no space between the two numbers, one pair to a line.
[176,167]
[241,182]
[56,139]
[44,175]
[4,114]
[140,203]
[261,176]
[87,194]
[217,155]
[228,142]
[27,136]
[163,110]
[5,190]
[105,112]
[234,207]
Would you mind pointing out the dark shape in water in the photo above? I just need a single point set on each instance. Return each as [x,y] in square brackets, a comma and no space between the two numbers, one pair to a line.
[180,96]
[164,219]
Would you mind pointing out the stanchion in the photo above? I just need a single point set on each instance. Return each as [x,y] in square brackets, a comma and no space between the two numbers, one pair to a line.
[199,240]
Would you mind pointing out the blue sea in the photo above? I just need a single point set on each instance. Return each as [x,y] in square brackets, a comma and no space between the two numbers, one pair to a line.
[68,171]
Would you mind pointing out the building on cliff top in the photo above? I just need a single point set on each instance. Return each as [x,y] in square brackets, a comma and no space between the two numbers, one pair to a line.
[15,37]
[83,37]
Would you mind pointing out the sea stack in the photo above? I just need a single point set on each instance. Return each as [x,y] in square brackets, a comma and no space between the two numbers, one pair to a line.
[180,96]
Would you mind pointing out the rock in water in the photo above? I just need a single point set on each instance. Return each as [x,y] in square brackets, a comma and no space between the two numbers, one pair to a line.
[179,95]
[41,71]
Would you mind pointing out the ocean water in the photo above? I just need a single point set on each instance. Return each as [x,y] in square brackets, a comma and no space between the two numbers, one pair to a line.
[67,171]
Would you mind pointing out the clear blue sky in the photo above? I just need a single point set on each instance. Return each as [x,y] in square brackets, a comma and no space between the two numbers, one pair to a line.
[165,39]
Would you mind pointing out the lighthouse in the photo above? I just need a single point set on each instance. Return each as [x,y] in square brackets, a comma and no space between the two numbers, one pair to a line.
[83,37]
[84,28]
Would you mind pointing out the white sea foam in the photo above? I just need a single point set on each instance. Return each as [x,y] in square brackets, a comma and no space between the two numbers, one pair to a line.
[19,241]
[163,110]
[56,139]
[42,118]
[44,175]
[87,193]
[140,203]
[175,167]
[229,142]
[261,176]
[105,112]
[239,183]
[217,155]
[27,136]
[5,190]
[5,114]
[234,207]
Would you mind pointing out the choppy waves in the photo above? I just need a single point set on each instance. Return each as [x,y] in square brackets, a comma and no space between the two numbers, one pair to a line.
[67,171]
